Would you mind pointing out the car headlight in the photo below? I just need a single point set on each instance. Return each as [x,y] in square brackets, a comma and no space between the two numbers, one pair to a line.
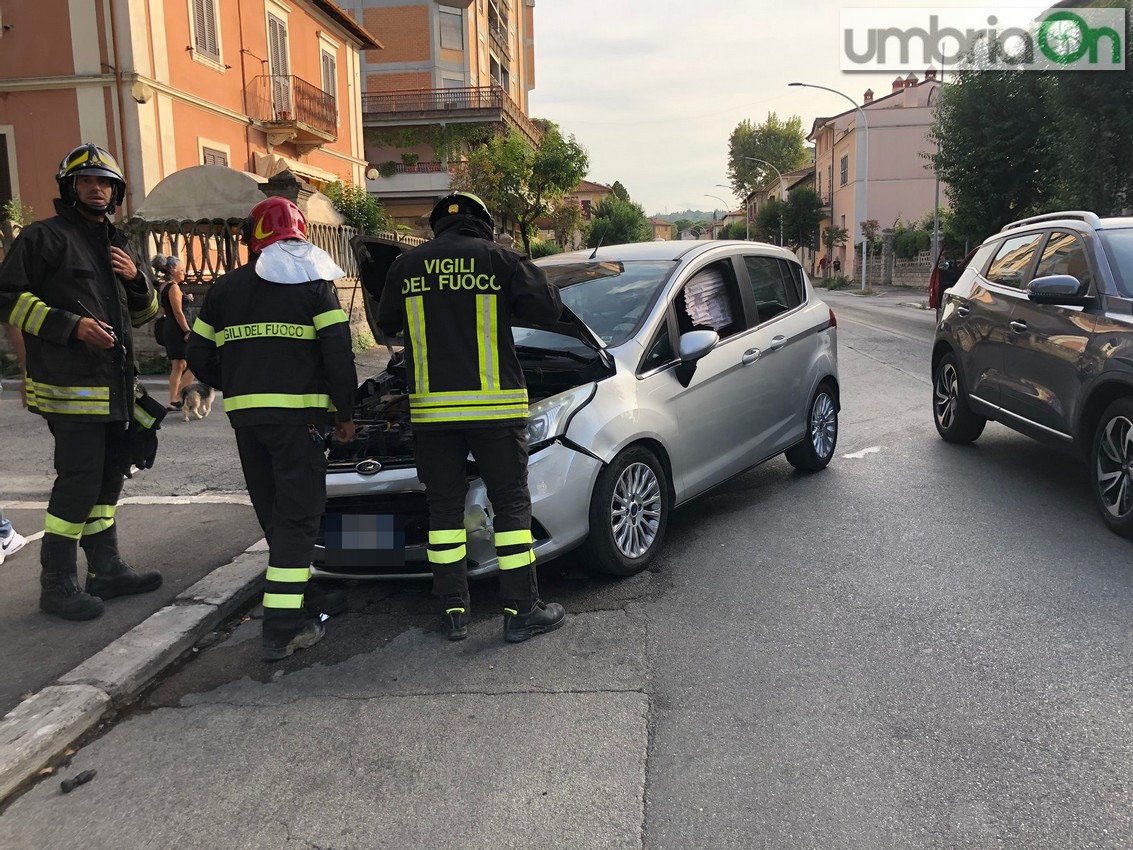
[548,419]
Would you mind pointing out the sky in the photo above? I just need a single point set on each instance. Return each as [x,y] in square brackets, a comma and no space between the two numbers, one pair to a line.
[652,89]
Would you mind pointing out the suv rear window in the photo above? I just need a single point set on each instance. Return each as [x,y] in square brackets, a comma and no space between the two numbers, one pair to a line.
[1009,268]
[1065,254]
[1119,250]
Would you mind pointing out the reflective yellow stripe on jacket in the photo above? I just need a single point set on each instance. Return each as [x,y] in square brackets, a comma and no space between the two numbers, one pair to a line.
[290,401]
[488,403]
[28,314]
[140,317]
[79,401]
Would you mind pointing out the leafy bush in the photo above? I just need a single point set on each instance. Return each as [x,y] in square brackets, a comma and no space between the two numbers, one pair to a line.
[909,243]
[363,211]
[541,248]
[837,282]
[362,342]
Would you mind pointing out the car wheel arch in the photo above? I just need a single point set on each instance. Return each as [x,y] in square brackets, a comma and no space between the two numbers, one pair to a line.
[1100,398]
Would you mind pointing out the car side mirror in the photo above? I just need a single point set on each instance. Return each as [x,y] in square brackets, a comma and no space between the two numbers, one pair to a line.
[1058,289]
[695,344]
[690,348]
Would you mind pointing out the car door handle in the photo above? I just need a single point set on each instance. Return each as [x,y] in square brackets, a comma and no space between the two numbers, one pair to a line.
[1018,326]
[750,356]
[777,342]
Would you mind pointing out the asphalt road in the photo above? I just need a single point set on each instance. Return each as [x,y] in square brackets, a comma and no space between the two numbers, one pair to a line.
[924,646]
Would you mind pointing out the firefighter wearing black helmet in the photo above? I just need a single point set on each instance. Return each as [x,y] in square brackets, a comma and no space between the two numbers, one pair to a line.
[455,297]
[75,288]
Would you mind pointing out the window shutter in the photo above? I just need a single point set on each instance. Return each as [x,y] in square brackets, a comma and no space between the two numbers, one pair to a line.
[212,156]
[204,20]
[330,74]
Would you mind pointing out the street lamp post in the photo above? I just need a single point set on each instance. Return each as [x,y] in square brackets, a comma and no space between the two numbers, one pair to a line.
[780,193]
[747,217]
[727,209]
[865,172]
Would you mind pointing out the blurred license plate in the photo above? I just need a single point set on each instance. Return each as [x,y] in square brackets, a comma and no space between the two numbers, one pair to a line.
[363,540]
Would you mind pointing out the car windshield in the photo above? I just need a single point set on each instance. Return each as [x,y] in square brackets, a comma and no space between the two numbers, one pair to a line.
[1119,250]
[610,297]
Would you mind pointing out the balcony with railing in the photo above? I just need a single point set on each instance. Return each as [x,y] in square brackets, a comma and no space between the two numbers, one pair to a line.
[290,109]
[456,105]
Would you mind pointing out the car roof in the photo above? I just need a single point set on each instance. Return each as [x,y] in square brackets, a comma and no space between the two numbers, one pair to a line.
[673,249]
[1080,220]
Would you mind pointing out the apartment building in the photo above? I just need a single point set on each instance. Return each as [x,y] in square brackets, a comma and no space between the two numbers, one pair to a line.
[900,183]
[451,71]
[257,85]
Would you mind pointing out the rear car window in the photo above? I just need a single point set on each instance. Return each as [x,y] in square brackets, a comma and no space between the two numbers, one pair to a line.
[775,288]
[1118,245]
[1065,254]
[1013,259]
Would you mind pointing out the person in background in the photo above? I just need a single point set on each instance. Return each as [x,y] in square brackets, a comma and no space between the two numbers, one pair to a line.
[837,266]
[11,541]
[175,332]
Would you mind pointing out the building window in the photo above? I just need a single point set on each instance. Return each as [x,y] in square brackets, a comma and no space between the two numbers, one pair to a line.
[330,75]
[452,29]
[845,170]
[586,210]
[818,176]
[212,156]
[205,40]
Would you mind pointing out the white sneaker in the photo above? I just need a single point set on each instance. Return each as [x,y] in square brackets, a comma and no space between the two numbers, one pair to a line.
[11,544]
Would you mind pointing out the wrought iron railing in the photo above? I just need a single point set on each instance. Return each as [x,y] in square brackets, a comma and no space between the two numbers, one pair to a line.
[417,103]
[283,98]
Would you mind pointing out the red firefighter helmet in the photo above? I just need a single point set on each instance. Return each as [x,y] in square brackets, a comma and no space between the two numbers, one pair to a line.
[275,219]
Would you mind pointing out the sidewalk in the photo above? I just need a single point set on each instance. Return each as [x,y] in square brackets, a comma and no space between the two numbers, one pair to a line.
[86,672]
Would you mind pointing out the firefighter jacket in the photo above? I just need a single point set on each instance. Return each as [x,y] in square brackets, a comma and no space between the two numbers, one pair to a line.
[455,297]
[57,272]
[281,353]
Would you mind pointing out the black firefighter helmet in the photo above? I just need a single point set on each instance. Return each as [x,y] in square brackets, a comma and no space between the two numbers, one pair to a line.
[90,159]
[460,203]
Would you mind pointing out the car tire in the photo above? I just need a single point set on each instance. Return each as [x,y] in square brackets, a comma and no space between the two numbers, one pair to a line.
[955,421]
[629,512]
[1110,457]
[817,448]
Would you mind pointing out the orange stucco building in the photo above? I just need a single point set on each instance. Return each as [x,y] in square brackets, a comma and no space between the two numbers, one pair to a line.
[257,85]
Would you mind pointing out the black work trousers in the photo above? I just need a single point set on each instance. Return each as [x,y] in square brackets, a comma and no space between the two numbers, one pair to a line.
[91,459]
[501,457]
[285,470]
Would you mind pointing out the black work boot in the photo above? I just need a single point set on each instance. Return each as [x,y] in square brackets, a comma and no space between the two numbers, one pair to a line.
[108,574]
[457,613]
[277,647]
[328,600]
[524,619]
[59,593]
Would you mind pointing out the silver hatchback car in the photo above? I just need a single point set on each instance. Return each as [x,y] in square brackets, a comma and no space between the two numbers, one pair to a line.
[675,366]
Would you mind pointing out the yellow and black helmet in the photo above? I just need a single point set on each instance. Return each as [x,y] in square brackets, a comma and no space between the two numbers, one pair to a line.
[95,161]
[460,203]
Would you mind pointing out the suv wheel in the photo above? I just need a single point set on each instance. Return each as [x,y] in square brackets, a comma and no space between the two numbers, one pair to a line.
[954,419]
[1111,459]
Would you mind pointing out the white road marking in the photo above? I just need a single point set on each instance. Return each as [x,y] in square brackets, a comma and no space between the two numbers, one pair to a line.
[872,450]
[199,499]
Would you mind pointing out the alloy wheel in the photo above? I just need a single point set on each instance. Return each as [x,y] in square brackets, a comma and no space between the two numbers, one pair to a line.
[945,393]
[823,425]
[1115,456]
[635,514]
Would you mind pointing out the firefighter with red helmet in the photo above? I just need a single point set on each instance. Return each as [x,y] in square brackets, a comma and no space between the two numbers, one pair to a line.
[75,288]
[455,297]
[274,338]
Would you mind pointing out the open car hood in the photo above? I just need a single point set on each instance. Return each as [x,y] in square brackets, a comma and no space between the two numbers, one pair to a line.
[376,254]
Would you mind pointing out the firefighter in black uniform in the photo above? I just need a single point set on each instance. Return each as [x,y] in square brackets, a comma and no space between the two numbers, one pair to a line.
[273,337]
[455,297]
[75,288]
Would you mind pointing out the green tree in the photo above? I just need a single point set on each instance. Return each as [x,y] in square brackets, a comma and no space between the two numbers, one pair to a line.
[782,143]
[735,230]
[802,218]
[995,171]
[620,191]
[520,184]
[834,237]
[766,224]
[566,220]
[362,211]
[615,222]
[682,224]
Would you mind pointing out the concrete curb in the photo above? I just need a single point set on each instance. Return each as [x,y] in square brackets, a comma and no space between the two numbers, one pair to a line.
[46,723]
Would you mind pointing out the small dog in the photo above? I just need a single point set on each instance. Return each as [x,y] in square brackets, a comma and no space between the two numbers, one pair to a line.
[197,400]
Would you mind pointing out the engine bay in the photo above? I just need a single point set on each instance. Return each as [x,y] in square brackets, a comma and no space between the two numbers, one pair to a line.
[384,431]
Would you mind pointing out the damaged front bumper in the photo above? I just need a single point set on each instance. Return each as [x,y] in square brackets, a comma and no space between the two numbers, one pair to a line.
[561,480]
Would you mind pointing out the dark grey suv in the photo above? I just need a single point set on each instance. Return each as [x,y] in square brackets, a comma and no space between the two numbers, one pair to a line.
[1038,334]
